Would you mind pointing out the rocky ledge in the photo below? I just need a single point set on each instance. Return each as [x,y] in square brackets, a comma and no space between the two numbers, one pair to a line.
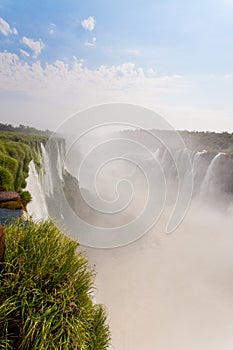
[11,200]
[6,196]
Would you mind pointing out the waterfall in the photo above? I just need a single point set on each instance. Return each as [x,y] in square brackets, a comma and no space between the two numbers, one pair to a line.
[47,171]
[162,291]
[212,175]
[207,185]
[44,186]
[37,208]
[196,160]
[60,156]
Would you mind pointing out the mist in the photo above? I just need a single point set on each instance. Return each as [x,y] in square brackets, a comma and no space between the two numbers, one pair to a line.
[171,291]
[161,291]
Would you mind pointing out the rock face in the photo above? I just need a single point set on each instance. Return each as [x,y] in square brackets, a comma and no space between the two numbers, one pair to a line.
[2,243]
[7,196]
[11,200]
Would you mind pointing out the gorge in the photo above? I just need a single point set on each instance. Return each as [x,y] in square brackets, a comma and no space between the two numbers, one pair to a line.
[161,291]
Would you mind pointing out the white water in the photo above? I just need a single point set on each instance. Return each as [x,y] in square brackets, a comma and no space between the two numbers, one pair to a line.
[206,185]
[59,161]
[37,207]
[196,161]
[47,171]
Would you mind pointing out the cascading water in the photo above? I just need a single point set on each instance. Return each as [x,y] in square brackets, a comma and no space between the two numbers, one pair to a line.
[44,186]
[209,175]
[206,187]
[47,171]
[60,156]
[37,208]
[161,292]
[196,160]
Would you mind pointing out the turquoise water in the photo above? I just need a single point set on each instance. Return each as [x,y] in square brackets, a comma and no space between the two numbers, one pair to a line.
[7,216]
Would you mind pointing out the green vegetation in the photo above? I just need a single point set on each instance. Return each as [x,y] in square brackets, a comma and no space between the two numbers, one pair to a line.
[6,179]
[45,293]
[194,140]
[16,152]
[209,140]
[26,196]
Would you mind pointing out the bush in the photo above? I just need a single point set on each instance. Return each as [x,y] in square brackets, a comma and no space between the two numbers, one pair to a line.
[16,152]
[9,163]
[26,196]
[6,179]
[45,293]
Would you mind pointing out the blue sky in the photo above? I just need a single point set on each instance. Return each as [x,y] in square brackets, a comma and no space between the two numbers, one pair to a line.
[178,53]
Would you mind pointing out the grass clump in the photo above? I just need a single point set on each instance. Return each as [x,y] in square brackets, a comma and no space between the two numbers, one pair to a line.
[45,288]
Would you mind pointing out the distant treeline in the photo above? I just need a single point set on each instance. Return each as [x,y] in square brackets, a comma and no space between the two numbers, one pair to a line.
[208,140]
[194,140]
[24,129]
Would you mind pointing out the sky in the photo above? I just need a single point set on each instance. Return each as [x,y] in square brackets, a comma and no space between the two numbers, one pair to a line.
[172,56]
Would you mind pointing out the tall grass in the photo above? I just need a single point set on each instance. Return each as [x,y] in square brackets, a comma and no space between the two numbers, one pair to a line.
[45,288]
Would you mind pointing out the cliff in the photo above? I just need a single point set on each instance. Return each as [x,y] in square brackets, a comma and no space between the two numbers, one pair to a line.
[16,152]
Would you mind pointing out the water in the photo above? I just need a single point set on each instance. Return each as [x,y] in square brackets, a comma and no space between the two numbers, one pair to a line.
[8,216]
[47,171]
[37,208]
[207,181]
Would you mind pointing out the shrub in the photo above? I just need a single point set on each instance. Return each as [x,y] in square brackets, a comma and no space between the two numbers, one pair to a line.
[26,196]
[45,293]
[9,163]
[6,179]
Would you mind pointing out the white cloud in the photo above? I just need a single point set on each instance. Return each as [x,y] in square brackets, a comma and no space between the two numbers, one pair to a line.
[133,51]
[151,71]
[24,53]
[68,88]
[87,43]
[52,27]
[92,43]
[228,76]
[58,90]
[35,46]
[89,23]
[5,28]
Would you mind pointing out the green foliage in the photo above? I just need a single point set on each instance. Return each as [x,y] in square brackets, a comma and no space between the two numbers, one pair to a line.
[210,141]
[9,163]
[6,179]
[45,293]
[26,196]
[16,152]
